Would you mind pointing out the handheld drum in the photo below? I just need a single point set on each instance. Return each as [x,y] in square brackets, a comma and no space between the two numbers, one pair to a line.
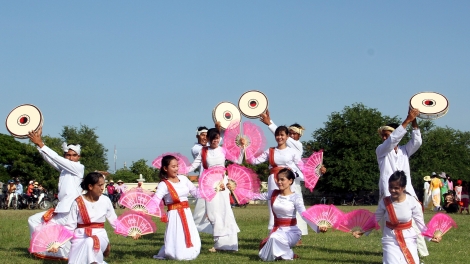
[431,105]
[253,103]
[23,119]
[224,113]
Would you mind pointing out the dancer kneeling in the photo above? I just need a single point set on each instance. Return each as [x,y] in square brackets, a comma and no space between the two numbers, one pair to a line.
[182,241]
[87,215]
[285,233]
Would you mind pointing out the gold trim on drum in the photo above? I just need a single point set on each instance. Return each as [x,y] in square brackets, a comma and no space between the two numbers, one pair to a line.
[224,113]
[253,103]
[431,105]
[23,119]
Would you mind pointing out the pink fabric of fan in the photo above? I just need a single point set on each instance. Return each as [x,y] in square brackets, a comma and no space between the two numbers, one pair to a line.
[323,215]
[310,167]
[140,201]
[132,223]
[49,236]
[209,182]
[231,136]
[183,162]
[439,225]
[358,220]
[246,181]
[256,140]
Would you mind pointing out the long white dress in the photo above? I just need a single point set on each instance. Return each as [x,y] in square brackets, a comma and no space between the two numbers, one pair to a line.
[82,251]
[71,175]
[296,145]
[199,213]
[427,194]
[408,210]
[218,210]
[281,241]
[287,157]
[175,243]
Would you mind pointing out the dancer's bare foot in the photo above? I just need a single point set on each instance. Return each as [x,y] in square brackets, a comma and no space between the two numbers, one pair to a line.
[299,243]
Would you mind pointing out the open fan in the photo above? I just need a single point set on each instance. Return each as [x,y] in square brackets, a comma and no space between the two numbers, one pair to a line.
[246,182]
[439,225]
[323,216]
[311,169]
[255,141]
[209,182]
[132,223]
[140,201]
[231,141]
[48,236]
[358,220]
[183,162]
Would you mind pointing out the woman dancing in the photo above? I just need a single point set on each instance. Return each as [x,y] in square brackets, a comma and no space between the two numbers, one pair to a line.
[218,210]
[279,157]
[285,233]
[399,239]
[87,215]
[182,241]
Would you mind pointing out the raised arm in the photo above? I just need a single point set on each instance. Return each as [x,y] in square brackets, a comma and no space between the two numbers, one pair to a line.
[260,159]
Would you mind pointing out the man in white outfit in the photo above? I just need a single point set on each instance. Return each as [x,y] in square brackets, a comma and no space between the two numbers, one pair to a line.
[71,175]
[391,157]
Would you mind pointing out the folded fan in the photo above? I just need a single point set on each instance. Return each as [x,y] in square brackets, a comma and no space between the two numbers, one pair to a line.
[140,201]
[132,223]
[358,220]
[322,215]
[439,225]
[183,162]
[209,182]
[48,236]
[246,182]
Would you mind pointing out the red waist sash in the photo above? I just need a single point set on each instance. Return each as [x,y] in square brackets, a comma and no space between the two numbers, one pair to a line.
[87,224]
[180,205]
[284,222]
[91,225]
[399,226]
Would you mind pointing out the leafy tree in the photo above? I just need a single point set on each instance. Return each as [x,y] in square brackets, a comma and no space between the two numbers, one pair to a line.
[349,140]
[140,167]
[124,174]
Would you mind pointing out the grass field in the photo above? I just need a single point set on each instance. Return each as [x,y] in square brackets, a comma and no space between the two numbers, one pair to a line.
[331,247]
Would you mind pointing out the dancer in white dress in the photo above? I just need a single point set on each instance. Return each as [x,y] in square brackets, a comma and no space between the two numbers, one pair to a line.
[86,219]
[218,210]
[71,175]
[285,233]
[399,238]
[280,157]
[182,241]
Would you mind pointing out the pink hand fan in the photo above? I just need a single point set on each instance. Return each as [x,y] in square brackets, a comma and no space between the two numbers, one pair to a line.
[311,169]
[246,182]
[140,201]
[209,182]
[48,236]
[132,223]
[231,141]
[183,162]
[358,220]
[323,215]
[439,225]
[256,140]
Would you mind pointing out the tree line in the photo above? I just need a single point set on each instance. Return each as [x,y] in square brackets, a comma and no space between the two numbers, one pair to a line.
[348,138]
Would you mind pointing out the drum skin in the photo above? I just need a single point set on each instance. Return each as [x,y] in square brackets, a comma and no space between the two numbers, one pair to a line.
[23,119]
[225,113]
[253,103]
[431,105]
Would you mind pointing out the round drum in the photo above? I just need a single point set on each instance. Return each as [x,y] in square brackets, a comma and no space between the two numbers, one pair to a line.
[23,119]
[431,105]
[253,103]
[224,113]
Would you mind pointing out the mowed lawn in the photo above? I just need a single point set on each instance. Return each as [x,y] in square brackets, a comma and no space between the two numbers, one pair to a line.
[331,247]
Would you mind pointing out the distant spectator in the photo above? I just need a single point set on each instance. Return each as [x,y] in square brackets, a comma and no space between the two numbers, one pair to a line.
[450,184]
[111,190]
[11,191]
[29,190]
[465,198]
[19,187]
[427,193]
[121,187]
[450,205]
[444,187]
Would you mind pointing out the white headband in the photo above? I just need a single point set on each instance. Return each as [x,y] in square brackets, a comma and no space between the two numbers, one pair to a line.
[297,130]
[75,148]
[200,132]
[385,128]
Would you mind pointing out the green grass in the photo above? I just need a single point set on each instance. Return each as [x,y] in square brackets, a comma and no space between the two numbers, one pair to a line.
[331,247]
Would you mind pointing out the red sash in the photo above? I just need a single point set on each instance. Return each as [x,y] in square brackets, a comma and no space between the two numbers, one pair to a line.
[48,215]
[204,157]
[179,206]
[397,227]
[87,224]
[277,221]
[274,168]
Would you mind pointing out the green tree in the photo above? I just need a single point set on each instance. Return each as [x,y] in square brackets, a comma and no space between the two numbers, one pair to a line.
[124,174]
[349,140]
[140,167]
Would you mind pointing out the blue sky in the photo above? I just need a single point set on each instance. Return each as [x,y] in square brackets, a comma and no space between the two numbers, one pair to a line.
[145,74]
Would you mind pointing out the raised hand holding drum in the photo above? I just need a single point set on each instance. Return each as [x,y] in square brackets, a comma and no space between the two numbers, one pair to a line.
[224,113]
[431,105]
[23,119]
[253,103]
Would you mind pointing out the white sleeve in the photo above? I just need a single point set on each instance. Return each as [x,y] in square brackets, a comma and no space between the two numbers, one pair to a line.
[417,214]
[261,196]
[74,168]
[47,159]
[196,163]
[110,213]
[72,219]
[380,212]
[260,159]
[391,142]
[415,142]
[162,190]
